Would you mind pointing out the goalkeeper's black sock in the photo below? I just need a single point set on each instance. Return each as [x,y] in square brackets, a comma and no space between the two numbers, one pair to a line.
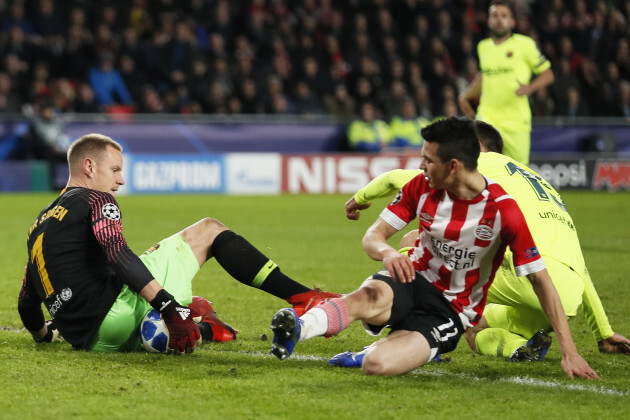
[249,266]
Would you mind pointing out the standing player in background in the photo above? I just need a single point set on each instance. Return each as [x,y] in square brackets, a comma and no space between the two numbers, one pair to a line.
[97,290]
[503,87]
[513,313]
[436,291]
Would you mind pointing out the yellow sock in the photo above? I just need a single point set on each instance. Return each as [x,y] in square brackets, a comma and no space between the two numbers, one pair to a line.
[498,342]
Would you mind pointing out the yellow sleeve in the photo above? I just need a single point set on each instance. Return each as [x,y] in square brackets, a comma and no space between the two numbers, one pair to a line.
[594,311]
[385,184]
[536,61]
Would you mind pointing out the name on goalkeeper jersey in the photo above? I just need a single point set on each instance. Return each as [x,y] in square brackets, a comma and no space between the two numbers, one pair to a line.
[57,212]
[455,258]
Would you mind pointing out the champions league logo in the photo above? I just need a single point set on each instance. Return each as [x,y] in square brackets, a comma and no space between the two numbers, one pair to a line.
[397,198]
[110,211]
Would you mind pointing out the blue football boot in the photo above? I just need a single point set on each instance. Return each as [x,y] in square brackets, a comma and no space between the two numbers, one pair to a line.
[534,350]
[286,327]
[348,359]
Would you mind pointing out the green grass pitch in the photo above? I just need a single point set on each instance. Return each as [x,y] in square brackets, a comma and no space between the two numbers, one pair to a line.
[310,239]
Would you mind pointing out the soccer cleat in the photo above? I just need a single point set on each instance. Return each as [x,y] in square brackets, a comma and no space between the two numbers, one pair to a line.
[211,327]
[201,307]
[348,359]
[534,350]
[302,302]
[286,327]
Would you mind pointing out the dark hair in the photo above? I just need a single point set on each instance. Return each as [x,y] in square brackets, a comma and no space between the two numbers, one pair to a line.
[504,3]
[489,136]
[456,139]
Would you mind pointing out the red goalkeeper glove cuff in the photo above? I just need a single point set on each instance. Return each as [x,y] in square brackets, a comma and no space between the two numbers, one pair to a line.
[182,330]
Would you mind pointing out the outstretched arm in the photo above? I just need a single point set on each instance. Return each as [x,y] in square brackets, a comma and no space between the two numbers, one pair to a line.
[572,362]
[353,208]
[608,341]
[386,184]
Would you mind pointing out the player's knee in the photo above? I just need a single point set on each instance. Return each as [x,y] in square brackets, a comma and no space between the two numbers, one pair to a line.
[375,365]
[202,234]
[212,226]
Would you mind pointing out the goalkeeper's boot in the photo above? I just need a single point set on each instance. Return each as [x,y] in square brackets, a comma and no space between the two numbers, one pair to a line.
[211,327]
[534,350]
[303,302]
[286,327]
[349,359]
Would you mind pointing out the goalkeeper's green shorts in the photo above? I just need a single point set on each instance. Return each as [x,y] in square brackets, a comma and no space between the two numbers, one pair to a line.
[173,265]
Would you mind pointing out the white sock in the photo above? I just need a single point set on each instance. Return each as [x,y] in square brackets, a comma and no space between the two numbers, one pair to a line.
[315,323]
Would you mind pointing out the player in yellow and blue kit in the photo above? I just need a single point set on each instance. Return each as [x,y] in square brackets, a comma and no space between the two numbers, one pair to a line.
[507,61]
[513,313]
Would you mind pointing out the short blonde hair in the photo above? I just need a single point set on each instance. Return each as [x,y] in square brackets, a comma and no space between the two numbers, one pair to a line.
[90,146]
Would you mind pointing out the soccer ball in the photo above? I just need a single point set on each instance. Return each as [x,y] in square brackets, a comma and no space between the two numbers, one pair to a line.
[154,333]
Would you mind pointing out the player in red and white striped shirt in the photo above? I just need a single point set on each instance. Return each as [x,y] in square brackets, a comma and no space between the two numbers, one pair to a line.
[430,296]
[462,242]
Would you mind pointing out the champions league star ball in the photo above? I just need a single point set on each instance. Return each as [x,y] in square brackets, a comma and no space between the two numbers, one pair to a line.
[154,333]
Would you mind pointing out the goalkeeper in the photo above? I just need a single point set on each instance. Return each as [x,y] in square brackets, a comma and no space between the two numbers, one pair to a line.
[97,290]
[513,313]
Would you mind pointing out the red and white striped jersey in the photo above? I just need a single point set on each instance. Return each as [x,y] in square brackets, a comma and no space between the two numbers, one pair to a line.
[462,242]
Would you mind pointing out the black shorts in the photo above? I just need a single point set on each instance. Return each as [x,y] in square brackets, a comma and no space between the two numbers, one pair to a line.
[419,306]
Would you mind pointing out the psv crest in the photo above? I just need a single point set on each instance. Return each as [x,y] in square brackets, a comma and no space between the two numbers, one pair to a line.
[483,231]
[110,211]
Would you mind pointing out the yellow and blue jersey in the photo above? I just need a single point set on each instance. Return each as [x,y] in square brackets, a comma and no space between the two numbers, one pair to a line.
[504,67]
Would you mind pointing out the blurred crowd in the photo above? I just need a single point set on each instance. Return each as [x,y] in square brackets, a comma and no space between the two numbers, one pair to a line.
[308,57]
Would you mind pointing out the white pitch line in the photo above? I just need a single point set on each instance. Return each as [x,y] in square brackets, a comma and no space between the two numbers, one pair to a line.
[515,380]
[423,372]
[528,381]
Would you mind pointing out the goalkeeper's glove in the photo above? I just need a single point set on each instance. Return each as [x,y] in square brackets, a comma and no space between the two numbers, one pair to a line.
[52,334]
[184,333]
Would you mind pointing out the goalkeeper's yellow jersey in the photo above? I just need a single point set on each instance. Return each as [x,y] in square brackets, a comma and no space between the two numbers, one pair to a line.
[504,67]
[543,208]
